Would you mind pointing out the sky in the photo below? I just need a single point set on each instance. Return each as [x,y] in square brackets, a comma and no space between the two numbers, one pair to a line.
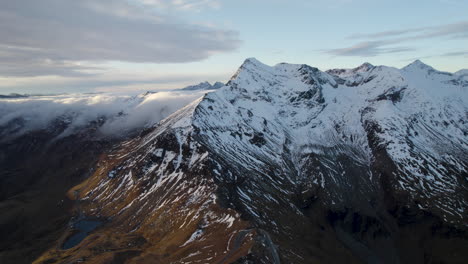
[130,46]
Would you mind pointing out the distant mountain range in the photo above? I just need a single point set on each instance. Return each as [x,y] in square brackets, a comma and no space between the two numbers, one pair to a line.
[13,95]
[283,164]
[204,86]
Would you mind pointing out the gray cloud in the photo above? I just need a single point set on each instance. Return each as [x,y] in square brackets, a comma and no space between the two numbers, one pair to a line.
[384,42]
[452,30]
[188,5]
[367,49]
[457,30]
[447,54]
[28,62]
[52,37]
[455,54]
[384,34]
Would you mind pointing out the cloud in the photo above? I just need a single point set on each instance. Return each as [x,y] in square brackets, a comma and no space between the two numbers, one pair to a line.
[447,54]
[61,37]
[27,62]
[367,49]
[456,30]
[121,114]
[109,81]
[455,54]
[152,109]
[384,34]
[186,5]
[451,30]
[384,42]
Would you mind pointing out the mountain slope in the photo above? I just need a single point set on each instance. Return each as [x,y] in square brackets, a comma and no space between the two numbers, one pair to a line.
[48,144]
[288,164]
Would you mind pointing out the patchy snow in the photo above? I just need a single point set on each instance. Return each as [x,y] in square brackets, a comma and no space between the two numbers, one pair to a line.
[197,234]
[271,121]
[264,110]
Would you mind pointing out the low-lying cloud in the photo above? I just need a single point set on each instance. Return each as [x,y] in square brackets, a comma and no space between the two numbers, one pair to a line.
[120,114]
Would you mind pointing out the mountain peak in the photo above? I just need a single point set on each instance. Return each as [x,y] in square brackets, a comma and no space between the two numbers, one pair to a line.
[461,72]
[352,73]
[217,85]
[365,65]
[252,60]
[204,86]
[249,65]
[254,63]
[418,64]
[201,86]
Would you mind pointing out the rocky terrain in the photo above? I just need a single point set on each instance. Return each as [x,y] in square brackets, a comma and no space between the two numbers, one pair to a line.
[283,164]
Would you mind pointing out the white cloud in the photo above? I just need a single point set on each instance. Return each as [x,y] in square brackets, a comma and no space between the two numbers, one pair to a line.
[122,114]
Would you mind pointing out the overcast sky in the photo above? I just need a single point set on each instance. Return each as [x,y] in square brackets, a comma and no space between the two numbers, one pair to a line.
[56,46]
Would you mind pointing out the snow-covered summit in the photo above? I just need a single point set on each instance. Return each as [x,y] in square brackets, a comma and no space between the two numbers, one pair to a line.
[204,86]
[365,67]
[417,64]
[418,67]
[295,110]
[461,72]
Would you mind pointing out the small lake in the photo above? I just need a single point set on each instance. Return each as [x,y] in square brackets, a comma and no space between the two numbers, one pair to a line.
[84,227]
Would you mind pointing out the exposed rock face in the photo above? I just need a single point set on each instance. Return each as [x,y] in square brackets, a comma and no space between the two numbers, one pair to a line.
[288,164]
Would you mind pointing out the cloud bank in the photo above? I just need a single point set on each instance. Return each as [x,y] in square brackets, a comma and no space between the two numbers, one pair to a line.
[65,37]
[118,115]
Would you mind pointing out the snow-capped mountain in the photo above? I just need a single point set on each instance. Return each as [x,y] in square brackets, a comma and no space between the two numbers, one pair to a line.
[284,164]
[204,86]
[289,164]
[462,73]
